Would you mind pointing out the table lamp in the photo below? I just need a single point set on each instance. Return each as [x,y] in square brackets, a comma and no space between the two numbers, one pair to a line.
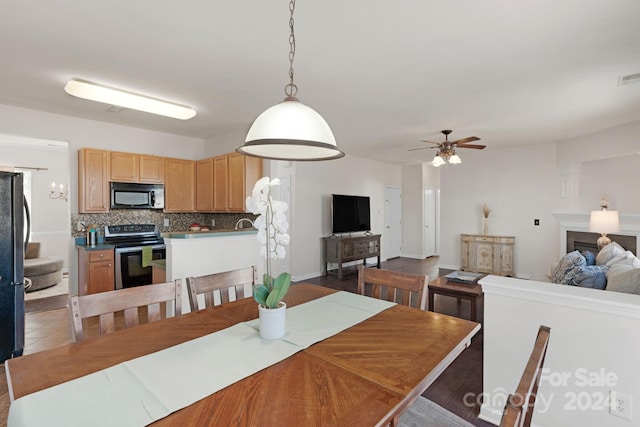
[604,222]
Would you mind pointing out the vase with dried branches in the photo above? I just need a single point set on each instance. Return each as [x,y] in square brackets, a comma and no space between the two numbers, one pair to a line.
[486,210]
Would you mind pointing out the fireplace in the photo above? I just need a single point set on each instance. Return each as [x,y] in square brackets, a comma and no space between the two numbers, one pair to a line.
[584,241]
[575,235]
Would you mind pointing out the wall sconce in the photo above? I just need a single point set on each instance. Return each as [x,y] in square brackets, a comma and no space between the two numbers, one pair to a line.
[62,194]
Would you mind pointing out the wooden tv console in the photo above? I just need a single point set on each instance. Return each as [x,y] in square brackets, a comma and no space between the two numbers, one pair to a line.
[340,250]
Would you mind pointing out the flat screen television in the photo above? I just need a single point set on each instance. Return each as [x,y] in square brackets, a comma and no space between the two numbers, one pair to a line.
[350,214]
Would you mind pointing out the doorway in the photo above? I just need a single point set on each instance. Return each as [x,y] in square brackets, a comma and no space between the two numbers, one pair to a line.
[47,162]
[393,222]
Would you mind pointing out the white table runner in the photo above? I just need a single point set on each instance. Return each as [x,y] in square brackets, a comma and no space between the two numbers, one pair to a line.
[143,390]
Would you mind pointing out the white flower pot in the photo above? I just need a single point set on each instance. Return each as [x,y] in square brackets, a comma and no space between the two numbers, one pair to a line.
[272,321]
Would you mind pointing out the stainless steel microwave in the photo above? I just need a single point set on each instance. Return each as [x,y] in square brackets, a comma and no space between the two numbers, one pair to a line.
[126,195]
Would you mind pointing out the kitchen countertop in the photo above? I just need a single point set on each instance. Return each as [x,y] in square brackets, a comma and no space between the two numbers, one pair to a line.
[209,233]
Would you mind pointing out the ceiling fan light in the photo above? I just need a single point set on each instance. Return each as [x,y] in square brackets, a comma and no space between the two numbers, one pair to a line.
[455,159]
[290,131]
[437,161]
[93,92]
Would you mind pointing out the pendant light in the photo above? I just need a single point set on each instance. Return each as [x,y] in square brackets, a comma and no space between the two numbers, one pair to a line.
[290,130]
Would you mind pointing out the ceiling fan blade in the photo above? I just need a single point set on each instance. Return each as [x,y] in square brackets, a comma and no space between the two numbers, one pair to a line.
[430,142]
[421,148]
[465,140]
[476,146]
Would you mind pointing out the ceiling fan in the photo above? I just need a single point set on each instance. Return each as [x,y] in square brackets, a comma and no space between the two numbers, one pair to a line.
[447,149]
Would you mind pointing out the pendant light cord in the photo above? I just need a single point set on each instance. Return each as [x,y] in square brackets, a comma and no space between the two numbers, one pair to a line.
[291,89]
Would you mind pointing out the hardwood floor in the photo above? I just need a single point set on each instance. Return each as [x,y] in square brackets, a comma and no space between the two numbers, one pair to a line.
[461,382]
[463,379]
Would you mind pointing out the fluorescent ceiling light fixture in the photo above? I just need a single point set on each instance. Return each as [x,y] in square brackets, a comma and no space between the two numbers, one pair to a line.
[111,96]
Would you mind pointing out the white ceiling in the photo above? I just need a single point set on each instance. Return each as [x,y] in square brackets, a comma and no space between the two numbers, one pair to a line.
[383,74]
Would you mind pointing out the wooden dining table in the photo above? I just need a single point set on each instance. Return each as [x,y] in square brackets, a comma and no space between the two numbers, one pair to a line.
[366,375]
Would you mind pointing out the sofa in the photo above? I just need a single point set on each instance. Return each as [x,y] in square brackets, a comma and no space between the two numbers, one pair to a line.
[40,272]
[613,269]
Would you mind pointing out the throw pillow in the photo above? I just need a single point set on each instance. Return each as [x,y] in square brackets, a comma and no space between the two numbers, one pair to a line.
[609,252]
[589,257]
[563,272]
[590,276]
[623,277]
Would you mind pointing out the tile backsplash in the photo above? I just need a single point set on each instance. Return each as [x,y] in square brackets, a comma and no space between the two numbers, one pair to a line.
[177,221]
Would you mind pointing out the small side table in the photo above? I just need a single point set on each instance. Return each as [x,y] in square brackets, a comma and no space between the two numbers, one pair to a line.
[470,292]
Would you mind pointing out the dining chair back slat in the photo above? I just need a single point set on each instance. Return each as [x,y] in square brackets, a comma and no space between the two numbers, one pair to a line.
[221,283]
[519,407]
[395,286]
[105,304]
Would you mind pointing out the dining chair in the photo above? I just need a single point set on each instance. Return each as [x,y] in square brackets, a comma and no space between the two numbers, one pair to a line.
[519,407]
[221,283]
[128,301]
[402,288]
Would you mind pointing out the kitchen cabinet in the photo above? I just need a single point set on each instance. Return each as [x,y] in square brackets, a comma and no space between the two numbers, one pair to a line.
[124,167]
[487,254]
[131,167]
[234,177]
[151,169]
[204,185]
[221,183]
[244,171]
[96,271]
[180,185]
[93,180]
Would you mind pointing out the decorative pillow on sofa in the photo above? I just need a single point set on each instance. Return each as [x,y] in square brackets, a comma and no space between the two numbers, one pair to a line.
[563,274]
[589,257]
[589,276]
[628,257]
[623,277]
[609,252]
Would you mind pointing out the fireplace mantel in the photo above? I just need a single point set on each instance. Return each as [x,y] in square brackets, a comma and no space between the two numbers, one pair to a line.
[629,226]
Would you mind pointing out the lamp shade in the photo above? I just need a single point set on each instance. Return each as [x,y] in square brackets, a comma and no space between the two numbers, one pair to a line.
[455,160]
[438,161]
[290,131]
[604,222]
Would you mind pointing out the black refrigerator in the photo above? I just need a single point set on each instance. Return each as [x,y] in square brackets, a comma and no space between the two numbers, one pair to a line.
[12,246]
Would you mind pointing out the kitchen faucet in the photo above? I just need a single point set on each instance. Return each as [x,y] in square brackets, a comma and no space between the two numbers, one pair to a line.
[241,220]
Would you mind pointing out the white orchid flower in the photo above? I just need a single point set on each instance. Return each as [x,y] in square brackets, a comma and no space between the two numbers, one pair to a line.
[271,223]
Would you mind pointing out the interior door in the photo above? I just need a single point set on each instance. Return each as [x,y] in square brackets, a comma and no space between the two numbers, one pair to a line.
[429,244]
[393,222]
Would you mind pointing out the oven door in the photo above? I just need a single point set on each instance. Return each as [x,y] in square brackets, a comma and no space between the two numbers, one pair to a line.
[129,269]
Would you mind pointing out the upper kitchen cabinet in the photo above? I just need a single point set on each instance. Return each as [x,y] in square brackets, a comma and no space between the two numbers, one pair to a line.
[204,185]
[124,167]
[130,167]
[244,171]
[93,180]
[180,185]
[221,183]
[151,169]
[234,177]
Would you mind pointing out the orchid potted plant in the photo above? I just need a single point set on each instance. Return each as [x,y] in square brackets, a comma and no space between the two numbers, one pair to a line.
[272,228]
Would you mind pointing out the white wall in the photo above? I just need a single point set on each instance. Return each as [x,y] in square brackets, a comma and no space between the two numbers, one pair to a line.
[593,336]
[519,184]
[312,186]
[412,207]
[523,183]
